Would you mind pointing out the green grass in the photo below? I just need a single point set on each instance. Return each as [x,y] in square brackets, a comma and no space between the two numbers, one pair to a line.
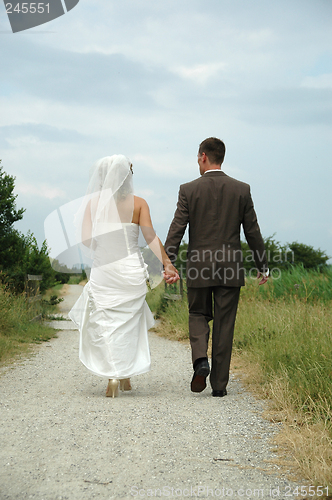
[153,297]
[17,331]
[292,340]
[287,330]
[75,279]
[172,314]
[296,283]
[56,288]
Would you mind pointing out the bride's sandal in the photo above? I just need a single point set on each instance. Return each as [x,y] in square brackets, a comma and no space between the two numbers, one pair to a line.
[125,384]
[112,390]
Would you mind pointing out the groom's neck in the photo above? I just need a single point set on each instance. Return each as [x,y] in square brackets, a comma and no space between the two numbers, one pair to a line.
[211,166]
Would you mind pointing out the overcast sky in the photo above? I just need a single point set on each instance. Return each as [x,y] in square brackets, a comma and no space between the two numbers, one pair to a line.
[151,79]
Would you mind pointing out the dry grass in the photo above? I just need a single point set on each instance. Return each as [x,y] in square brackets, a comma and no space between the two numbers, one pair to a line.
[18,329]
[167,329]
[284,355]
[304,444]
[308,442]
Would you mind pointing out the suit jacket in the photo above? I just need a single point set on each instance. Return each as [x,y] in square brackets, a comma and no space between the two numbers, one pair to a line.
[215,206]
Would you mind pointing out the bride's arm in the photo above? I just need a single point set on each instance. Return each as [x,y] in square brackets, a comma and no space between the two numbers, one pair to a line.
[171,274]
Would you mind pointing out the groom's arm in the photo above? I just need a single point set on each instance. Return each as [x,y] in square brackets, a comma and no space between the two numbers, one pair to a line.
[254,237]
[177,227]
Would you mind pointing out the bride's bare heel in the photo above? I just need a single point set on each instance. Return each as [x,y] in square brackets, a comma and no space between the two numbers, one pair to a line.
[125,384]
[112,390]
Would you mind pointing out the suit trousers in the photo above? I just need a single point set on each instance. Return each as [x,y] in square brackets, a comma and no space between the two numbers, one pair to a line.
[225,302]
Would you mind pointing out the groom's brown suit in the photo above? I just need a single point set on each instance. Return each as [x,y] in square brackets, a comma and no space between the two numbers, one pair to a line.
[215,206]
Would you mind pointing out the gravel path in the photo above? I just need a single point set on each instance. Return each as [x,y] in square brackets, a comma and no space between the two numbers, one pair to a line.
[61,438]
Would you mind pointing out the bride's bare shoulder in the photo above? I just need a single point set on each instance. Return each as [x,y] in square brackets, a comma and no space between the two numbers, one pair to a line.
[141,210]
[139,202]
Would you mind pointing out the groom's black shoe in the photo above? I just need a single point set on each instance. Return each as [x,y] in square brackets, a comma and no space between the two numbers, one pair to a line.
[219,394]
[202,370]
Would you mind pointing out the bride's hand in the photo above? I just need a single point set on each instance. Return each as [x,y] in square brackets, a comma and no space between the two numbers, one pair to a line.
[170,274]
[171,279]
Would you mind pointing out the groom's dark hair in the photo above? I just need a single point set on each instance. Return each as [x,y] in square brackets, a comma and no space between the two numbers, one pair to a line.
[214,149]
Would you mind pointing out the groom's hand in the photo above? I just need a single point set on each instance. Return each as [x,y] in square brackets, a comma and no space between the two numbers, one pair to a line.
[264,276]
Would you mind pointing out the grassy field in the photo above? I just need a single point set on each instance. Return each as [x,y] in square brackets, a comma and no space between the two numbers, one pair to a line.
[75,279]
[20,327]
[283,349]
[19,324]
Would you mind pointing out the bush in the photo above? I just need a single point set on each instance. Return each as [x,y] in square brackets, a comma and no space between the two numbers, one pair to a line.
[307,255]
[62,278]
[285,256]
[29,259]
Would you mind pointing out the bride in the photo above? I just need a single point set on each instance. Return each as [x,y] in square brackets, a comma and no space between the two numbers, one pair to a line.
[112,314]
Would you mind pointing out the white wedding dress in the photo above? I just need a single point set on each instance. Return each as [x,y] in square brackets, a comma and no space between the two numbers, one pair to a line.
[112,315]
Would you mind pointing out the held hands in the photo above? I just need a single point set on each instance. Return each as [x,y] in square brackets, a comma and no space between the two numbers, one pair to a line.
[170,274]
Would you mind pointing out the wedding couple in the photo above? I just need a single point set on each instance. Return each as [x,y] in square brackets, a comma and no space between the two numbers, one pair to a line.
[112,315]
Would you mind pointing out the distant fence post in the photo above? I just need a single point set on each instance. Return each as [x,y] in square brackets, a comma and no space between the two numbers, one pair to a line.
[31,287]
[181,286]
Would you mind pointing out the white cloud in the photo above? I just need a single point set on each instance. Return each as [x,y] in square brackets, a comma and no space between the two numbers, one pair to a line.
[40,190]
[145,193]
[288,224]
[318,82]
[23,141]
[261,37]
[239,173]
[160,165]
[200,73]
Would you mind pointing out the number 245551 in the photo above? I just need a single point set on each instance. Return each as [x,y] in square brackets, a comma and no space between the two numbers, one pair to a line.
[26,8]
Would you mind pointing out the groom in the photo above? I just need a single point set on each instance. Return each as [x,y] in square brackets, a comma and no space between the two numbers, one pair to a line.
[215,206]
